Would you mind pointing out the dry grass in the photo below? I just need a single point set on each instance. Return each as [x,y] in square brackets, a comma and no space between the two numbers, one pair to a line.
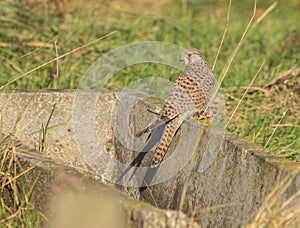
[280,98]
[277,213]
[16,210]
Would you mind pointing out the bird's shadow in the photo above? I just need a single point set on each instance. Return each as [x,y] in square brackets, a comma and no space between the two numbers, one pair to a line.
[151,141]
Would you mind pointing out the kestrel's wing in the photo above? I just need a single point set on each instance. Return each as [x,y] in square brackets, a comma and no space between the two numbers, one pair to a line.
[162,120]
[177,103]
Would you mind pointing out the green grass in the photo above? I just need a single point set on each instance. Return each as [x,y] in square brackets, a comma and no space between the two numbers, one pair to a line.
[30,28]
[24,216]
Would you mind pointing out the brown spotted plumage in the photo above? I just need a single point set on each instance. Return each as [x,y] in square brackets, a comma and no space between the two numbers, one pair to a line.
[191,93]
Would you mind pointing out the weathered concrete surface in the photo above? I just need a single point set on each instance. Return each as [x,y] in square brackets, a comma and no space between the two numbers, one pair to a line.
[227,193]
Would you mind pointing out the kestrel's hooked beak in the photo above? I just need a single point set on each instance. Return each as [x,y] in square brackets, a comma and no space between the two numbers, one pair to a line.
[182,57]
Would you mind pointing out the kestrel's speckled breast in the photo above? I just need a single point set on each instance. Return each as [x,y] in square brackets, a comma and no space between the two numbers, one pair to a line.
[192,90]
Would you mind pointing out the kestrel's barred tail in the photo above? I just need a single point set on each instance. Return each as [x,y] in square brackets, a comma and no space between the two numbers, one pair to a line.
[165,141]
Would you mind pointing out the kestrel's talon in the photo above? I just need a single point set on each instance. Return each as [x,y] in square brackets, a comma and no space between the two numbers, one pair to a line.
[201,116]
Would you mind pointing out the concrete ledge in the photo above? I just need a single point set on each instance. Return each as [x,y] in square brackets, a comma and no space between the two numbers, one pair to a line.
[227,193]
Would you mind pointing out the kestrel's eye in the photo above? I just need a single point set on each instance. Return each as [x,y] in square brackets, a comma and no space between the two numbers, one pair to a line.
[189,54]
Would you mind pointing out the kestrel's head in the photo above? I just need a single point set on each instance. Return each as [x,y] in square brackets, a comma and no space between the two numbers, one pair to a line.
[191,55]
